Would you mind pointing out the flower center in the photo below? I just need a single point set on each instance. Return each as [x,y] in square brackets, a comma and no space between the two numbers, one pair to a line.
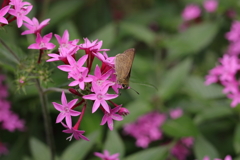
[42,45]
[100,96]
[99,82]
[66,110]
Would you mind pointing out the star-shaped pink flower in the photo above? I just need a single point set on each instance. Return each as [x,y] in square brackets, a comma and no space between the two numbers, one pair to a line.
[108,117]
[100,96]
[77,134]
[42,43]
[65,110]
[34,27]
[106,155]
[94,46]
[4,11]
[80,78]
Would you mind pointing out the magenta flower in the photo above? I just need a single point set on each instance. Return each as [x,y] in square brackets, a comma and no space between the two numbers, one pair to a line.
[42,43]
[176,113]
[94,46]
[106,155]
[191,12]
[74,66]
[99,78]
[108,117]
[65,43]
[20,11]
[4,11]
[100,96]
[105,59]
[235,98]
[77,134]
[210,5]
[62,56]
[234,34]
[65,110]
[80,78]
[34,27]
[146,129]
[123,111]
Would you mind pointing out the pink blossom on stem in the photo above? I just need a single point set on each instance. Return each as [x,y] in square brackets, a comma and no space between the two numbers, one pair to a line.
[80,78]
[191,12]
[109,117]
[210,5]
[74,66]
[42,42]
[34,27]
[4,11]
[20,11]
[123,111]
[106,155]
[100,96]
[65,110]
[77,134]
[176,113]
[94,46]
[234,33]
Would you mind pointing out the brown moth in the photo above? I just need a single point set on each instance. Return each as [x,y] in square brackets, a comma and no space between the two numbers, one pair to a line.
[123,65]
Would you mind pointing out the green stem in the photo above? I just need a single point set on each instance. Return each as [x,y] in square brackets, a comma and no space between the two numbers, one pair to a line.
[47,120]
[10,50]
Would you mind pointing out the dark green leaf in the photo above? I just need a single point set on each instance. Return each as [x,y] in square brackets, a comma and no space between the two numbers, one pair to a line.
[114,143]
[195,87]
[203,148]
[192,40]
[156,153]
[180,127]
[173,79]
[38,148]
[236,141]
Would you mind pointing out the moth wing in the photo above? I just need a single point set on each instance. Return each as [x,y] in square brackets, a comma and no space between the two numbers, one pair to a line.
[127,61]
[120,65]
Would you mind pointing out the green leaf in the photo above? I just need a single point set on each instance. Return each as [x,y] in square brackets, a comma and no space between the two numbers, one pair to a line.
[203,148]
[174,79]
[156,153]
[139,31]
[39,150]
[79,149]
[236,141]
[107,34]
[114,143]
[57,14]
[136,109]
[192,40]
[195,87]
[212,113]
[180,127]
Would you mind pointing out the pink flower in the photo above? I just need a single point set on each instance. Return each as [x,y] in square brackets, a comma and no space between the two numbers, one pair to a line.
[65,110]
[3,149]
[182,148]
[146,129]
[108,117]
[234,34]
[20,11]
[176,113]
[34,27]
[191,12]
[105,59]
[106,155]
[99,78]
[4,11]
[74,66]
[80,78]
[235,98]
[42,43]
[100,96]
[210,5]
[123,111]
[94,46]
[77,134]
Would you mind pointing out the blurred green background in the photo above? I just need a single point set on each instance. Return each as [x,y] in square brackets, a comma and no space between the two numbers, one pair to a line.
[169,71]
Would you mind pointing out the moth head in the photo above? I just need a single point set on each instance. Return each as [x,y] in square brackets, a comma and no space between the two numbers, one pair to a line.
[125,86]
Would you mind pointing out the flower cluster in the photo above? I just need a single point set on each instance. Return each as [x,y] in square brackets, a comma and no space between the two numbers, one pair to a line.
[146,129]
[226,73]
[94,87]
[106,155]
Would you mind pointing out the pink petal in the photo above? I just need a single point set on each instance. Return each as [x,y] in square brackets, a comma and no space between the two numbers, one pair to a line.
[100,155]
[95,106]
[110,124]
[66,68]
[72,102]
[64,99]
[57,106]
[65,37]
[105,106]
[3,20]
[34,46]
[4,10]
[104,119]
[116,117]
[69,121]
[110,96]
[90,96]
[82,60]
[74,113]
[60,117]
[74,83]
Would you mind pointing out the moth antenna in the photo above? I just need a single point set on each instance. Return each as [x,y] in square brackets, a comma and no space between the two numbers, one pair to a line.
[135,90]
